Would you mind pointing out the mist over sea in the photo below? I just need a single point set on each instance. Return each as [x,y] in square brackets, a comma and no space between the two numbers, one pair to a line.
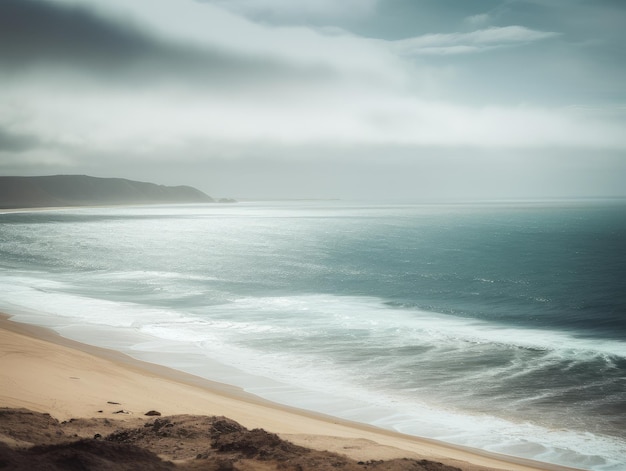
[498,325]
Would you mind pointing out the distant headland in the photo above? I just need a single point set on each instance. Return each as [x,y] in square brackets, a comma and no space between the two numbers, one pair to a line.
[83,190]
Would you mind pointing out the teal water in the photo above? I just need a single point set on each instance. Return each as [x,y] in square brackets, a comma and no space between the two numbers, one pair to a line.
[500,326]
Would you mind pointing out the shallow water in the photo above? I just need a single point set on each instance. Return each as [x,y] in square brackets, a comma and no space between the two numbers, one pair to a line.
[500,326]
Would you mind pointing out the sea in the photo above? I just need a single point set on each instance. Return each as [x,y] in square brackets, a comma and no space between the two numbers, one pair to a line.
[495,325]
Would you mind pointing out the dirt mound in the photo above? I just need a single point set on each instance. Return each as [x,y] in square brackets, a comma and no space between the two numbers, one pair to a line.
[81,455]
[33,441]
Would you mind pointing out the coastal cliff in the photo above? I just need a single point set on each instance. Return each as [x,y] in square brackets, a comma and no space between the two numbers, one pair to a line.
[83,190]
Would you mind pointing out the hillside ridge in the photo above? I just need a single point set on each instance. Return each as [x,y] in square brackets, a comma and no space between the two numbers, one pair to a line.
[84,190]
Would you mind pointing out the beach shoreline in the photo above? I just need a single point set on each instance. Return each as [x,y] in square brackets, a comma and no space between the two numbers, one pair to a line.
[45,372]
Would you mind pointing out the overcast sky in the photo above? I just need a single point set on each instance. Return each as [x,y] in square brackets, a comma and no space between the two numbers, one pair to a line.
[320,98]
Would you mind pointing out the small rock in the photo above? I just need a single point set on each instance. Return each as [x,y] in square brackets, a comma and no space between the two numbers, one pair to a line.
[97,436]
[152,412]
[111,402]
[121,411]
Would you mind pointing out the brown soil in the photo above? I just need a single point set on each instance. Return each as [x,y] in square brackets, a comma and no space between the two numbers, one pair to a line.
[32,441]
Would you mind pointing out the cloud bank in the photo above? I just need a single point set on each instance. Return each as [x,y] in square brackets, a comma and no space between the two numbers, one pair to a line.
[231,89]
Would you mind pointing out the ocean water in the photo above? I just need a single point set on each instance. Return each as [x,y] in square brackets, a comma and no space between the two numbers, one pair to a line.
[500,326]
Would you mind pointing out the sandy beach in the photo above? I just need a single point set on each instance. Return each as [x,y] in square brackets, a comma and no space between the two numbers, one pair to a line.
[43,372]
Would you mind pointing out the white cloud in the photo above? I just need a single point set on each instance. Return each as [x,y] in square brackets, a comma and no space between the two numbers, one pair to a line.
[476,41]
[479,20]
[301,10]
[159,121]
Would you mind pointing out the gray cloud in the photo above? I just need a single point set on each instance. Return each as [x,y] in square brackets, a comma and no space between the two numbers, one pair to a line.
[41,37]
[34,32]
[256,99]
[16,142]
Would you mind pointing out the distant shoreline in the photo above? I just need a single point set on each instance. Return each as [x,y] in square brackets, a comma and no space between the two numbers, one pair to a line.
[101,206]
[84,190]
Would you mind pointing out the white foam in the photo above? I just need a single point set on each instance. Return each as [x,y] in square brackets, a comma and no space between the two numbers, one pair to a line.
[373,314]
[48,297]
[240,335]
